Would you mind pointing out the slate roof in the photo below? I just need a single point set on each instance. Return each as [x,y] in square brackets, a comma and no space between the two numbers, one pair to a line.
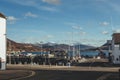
[1,15]
[116,38]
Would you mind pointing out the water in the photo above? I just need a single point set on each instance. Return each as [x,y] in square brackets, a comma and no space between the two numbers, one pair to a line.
[84,53]
[35,52]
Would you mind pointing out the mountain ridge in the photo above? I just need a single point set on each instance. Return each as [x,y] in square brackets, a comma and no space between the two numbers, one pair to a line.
[15,46]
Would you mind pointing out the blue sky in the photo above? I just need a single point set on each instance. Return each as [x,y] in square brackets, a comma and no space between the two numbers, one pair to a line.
[63,21]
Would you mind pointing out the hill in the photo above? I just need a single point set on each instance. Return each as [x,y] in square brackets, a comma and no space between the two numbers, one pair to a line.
[13,46]
[55,46]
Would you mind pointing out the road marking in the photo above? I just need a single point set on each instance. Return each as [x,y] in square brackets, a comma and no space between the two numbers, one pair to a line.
[104,76]
[33,73]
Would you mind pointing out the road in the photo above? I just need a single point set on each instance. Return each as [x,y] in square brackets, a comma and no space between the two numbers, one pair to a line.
[92,70]
[66,75]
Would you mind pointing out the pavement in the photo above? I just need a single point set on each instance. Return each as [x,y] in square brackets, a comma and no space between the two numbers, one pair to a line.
[69,68]
[17,72]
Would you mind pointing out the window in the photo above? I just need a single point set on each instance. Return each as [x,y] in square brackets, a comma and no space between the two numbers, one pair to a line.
[116,59]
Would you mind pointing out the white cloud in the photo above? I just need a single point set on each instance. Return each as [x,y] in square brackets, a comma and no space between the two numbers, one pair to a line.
[104,23]
[48,8]
[83,33]
[112,5]
[75,33]
[49,36]
[37,4]
[29,14]
[105,32]
[77,27]
[46,37]
[115,6]
[11,19]
[116,31]
[70,23]
[100,0]
[54,2]
[68,33]
[25,2]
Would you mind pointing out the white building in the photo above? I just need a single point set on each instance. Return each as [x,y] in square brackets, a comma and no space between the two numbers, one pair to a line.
[116,48]
[3,41]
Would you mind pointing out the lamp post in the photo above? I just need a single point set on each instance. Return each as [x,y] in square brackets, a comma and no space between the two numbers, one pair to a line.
[73,49]
[41,47]
[44,56]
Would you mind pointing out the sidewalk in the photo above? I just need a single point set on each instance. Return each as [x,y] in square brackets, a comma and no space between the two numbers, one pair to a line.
[72,68]
[14,74]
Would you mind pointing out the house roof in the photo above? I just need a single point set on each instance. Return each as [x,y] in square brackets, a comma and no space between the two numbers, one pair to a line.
[116,38]
[1,15]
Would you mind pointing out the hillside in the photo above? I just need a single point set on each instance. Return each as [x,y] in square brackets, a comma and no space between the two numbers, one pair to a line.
[14,46]
[55,46]
[19,47]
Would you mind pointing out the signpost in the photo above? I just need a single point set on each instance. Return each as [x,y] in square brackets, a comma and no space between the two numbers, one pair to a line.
[3,41]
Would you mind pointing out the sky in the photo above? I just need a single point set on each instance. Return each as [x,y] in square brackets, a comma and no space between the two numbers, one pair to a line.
[90,22]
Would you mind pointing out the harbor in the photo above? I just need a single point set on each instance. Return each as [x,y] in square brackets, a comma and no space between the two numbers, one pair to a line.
[59,40]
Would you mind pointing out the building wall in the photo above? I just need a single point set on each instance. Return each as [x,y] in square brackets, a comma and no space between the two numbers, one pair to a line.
[3,42]
[115,52]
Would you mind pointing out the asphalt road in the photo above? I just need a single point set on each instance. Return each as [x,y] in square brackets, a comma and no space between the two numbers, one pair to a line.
[83,71]
[66,75]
